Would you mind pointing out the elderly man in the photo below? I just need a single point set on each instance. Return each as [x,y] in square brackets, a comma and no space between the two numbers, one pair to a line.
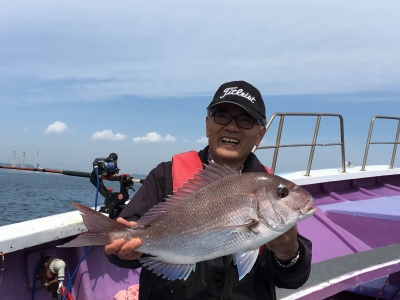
[235,126]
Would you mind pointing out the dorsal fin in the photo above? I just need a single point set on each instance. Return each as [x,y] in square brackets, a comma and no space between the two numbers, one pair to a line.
[209,174]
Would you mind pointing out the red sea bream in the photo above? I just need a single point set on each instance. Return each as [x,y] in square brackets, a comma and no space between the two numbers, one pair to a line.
[219,212]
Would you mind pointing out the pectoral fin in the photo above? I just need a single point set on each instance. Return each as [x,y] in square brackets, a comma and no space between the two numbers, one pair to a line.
[245,261]
[167,270]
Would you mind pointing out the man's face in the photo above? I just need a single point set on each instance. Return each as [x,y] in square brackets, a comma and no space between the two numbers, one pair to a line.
[229,144]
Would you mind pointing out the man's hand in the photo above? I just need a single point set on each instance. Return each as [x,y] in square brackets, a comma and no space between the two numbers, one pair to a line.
[124,250]
[285,246]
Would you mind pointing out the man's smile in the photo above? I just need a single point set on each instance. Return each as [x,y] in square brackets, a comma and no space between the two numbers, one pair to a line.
[230,141]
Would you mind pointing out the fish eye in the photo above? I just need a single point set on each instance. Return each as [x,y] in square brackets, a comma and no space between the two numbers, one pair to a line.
[282,192]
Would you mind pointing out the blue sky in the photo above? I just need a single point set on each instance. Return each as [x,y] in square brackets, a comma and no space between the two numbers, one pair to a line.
[79,80]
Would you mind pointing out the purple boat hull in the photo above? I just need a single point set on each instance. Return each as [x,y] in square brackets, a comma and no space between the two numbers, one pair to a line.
[96,278]
[353,218]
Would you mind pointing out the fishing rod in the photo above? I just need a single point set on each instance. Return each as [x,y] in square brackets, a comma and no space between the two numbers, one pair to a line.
[107,169]
[38,169]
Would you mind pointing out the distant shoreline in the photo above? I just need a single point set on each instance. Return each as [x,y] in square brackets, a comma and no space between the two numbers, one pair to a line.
[17,165]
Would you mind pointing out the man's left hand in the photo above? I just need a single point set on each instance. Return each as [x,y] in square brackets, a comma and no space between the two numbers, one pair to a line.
[285,246]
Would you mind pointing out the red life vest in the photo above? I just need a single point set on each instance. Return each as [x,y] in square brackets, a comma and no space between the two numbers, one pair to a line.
[184,166]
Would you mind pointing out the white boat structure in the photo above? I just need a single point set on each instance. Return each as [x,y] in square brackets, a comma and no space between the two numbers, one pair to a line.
[355,235]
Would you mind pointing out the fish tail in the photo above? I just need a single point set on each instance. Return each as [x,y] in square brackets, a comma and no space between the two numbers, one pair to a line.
[99,228]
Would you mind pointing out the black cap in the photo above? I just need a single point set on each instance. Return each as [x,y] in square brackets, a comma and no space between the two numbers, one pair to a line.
[243,94]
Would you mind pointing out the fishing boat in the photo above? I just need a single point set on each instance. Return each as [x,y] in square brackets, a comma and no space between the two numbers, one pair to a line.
[356,243]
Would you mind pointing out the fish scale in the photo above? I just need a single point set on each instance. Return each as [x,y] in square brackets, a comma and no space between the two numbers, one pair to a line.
[219,212]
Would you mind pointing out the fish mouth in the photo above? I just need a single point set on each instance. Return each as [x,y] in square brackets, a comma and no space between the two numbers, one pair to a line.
[308,207]
[229,140]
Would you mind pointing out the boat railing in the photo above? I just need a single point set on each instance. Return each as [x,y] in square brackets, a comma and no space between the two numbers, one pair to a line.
[312,145]
[395,143]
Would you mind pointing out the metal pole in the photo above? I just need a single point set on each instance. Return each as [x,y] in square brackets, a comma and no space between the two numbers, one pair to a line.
[371,126]
[342,142]
[313,145]
[278,141]
[395,146]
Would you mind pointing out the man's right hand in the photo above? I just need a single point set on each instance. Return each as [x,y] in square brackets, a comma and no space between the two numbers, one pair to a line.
[124,250]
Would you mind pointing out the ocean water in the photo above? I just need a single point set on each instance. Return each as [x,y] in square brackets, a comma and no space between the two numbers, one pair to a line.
[27,195]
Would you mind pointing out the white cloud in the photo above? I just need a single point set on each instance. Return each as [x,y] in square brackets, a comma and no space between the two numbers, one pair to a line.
[202,140]
[108,135]
[154,137]
[56,128]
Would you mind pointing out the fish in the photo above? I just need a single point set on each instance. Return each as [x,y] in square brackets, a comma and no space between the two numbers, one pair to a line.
[218,212]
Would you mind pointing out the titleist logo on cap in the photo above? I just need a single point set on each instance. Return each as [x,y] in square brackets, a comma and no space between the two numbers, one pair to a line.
[238,92]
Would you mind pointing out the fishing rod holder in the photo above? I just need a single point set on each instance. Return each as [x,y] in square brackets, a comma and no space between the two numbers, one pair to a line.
[107,167]
[114,202]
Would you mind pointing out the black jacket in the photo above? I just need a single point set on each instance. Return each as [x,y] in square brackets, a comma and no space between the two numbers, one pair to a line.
[216,278]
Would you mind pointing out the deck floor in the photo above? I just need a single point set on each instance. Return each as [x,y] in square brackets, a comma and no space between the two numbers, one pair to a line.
[353,216]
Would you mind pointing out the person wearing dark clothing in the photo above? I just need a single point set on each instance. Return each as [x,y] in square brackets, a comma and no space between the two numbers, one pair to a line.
[284,262]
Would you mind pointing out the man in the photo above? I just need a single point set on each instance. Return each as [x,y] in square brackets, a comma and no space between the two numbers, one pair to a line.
[235,126]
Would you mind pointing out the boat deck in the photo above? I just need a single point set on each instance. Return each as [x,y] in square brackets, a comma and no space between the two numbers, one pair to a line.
[353,216]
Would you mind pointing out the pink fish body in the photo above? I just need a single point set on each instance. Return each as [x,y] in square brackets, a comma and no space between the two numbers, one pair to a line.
[219,212]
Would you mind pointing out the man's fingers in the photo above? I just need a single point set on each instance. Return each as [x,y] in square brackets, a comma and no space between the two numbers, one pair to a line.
[130,256]
[123,249]
[128,252]
[129,246]
[286,245]
[125,222]
[287,237]
[114,246]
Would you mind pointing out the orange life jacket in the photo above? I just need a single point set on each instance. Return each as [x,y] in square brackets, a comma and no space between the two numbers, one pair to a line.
[184,166]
